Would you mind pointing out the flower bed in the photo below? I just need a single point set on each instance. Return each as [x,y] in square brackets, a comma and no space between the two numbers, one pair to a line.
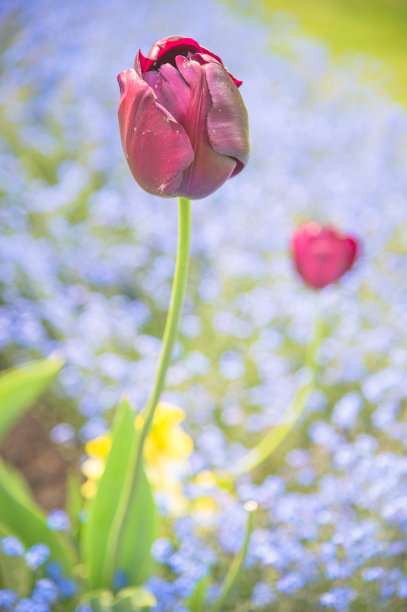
[86,262]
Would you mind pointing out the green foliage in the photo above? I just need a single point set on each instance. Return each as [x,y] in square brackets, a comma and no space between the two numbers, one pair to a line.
[235,568]
[375,27]
[14,573]
[105,541]
[20,514]
[21,386]
[197,600]
[74,503]
[138,534]
[133,599]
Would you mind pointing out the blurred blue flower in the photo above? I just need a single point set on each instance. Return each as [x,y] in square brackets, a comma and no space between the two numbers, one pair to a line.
[62,433]
[97,280]
[346,410]
[45,590]
[338,598]
[31,605]
[37,555]
[262,594]
[7,599]
[12,547]
[371,574]
[290,583]
[58,520]
[402,588]
[162,549]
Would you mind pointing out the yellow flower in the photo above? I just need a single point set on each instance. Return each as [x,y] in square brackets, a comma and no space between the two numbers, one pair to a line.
[99,447]
[166,439]
[93,468]
[204,506]
[166,449]
[205,479]
[88,489]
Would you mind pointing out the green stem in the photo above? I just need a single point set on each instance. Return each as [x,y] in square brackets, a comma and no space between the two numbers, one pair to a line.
[169,339]
[281,429]
[173,317]
[238,561]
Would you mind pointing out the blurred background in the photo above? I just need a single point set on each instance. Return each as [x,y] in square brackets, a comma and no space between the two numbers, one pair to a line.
[86,263]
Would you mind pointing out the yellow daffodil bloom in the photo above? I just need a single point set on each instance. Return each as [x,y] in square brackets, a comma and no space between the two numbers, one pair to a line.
[166,449]
[166,438]
[99,447]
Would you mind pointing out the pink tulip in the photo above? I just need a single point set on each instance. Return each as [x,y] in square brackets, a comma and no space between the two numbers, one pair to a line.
[183,123]
[322,254]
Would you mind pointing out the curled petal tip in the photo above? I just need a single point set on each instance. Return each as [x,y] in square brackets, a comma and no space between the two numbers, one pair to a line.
[182,120]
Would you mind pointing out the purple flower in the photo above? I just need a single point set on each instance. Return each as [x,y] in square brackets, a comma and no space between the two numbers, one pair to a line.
[183,123]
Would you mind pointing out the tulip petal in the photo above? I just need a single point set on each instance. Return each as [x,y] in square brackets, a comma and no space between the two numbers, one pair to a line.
[322,254]
[172,91]
[210,168]
[205,56]
[149,132]
[166,50]
[228,126]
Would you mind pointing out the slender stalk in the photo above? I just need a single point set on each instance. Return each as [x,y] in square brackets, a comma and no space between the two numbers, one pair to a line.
[238,561]
[173,317]
[281,429]
[169,339]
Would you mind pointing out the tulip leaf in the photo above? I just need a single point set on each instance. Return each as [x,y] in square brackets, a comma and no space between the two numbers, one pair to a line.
[16,483]
[14,572]
[139,534]
[131,545]
[197,600]
[133,599]
[19,513]
[21,386]
[100,600]
[74,502]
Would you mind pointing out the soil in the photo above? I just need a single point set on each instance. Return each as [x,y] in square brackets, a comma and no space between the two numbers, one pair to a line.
[29,448]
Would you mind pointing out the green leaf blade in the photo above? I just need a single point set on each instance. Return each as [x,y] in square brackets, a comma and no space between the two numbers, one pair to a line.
[196,602]
[100,536]
[139,534]
[14,573]
[21,386]
[20,514]
[134,599]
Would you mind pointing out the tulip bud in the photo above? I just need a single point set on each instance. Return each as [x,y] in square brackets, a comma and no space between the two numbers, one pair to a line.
[322,254]
[183,123]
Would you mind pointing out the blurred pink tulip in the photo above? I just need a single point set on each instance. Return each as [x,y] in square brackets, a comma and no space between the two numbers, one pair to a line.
[322,254]
[183,123]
